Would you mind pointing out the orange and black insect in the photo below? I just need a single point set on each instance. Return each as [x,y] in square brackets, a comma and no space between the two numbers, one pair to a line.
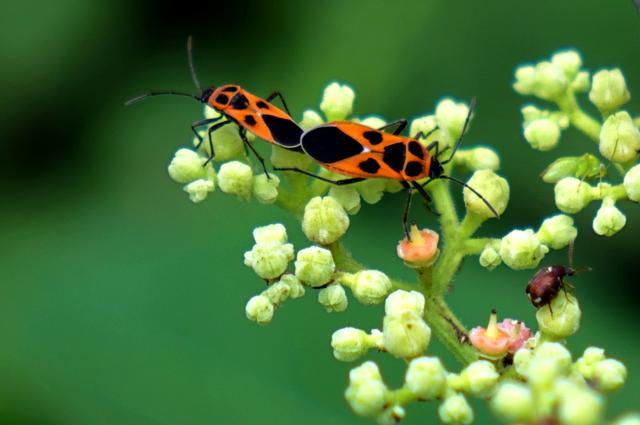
[362,152]
[236,105]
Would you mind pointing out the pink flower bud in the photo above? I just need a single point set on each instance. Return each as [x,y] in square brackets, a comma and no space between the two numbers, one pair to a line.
[420,249]
[492,341]
[518,333]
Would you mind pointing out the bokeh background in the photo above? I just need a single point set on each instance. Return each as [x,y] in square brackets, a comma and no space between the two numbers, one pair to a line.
[123,303]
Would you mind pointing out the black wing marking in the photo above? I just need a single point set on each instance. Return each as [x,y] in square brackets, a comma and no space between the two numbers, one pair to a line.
[329,144]
[285,132]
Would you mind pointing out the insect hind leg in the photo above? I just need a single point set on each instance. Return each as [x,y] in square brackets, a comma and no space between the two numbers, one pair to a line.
[324,179]
[247,144]
[281,97]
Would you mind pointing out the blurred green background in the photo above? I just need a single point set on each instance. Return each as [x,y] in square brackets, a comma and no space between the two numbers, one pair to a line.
[123,303]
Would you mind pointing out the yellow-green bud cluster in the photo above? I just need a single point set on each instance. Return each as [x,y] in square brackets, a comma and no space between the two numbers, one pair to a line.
[493,188]
[619,138]
[261,308]
[370,287]
[324,220]
[478,158]
[349,344]
[187,166]
[609,90]
[521,249]
[366,392]
[406,334]
[271,254]
[603,373]
[550,80]
[315,266]
[560,318]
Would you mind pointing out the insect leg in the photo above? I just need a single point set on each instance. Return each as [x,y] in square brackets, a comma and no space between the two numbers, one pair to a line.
[405,212]
[324,179]
[201,123]
[281,97]
[425,195]
[243,135]
[209,133]
[400,125]
[425,136]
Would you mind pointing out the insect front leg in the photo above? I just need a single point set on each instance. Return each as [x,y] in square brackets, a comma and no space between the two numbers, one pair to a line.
[209,133]
[202,123]
[400,125]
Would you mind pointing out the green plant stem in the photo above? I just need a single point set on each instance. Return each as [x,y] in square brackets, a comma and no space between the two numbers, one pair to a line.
[476,245]
[578,118]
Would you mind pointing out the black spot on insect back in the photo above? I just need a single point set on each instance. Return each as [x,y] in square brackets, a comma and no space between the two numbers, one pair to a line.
[328,144]
[370,166]
[374,137]
[414,169]
[222,99]
[249,119]
[262,104]
[416,149]
[239,102]
[394,156]
[230,89]
[284,132]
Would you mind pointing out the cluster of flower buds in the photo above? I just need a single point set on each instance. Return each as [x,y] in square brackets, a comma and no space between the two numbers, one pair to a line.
[618,136]
[551,387]
[524,249]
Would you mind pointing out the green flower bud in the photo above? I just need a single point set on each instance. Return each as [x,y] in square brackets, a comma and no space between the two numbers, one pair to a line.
[550,81]
[310,119]
[610,375]
[266,189]
[272,233]
[370,286]
[609,90]
[619,138]
[609,220]
[521,249]
[333,298]
[426,125]
[371,190]
[557,231]
[628,419]
[296,290]
[580,406]
[391,415]
[572,195]
[450,117]
[406,335]
[372,121]
[525,79]
[324,220]
[585,365]
[277,293]
[347,196]
[490,258]
[314,266]
[349,344]
[492,187]
[513,402]
[542,134]
[581,82]
[366,392]
[455,410]
[269,260]
[556,353]
[479,158]
[186,166]
[521,360]
[401,301]
[236,178]
[569,61]
[479,378]
[337,102]
[587,166]
[426,378]
[632,183]
[199,189]
[561,319]
[259,309]
[287,158]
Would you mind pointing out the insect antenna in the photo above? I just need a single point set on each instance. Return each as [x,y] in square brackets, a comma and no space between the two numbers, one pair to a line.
[460,182]
[472,106]
[192,68]
[159,93]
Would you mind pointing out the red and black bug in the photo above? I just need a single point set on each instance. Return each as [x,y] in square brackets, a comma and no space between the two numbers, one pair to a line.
[236,105]
[362,152]
[545,285]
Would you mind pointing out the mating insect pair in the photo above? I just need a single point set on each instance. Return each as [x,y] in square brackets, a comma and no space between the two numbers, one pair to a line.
[350,149]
